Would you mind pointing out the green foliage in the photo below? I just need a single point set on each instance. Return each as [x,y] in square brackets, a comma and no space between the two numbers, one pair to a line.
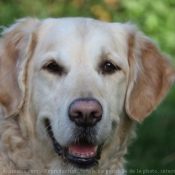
[155,146]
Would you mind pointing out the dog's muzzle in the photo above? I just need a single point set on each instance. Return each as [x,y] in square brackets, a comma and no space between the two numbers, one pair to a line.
[85,113]
[82,155]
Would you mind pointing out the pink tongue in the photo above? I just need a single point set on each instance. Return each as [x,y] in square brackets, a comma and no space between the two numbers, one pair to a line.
[82,148]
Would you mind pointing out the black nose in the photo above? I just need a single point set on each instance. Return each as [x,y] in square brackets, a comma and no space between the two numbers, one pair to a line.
[85,112]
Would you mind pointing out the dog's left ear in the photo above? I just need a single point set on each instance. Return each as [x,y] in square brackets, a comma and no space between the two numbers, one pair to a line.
[151,76]
[16,46]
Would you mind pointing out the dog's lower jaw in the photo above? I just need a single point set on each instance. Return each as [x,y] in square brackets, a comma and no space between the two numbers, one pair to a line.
[80,161]
[81,155]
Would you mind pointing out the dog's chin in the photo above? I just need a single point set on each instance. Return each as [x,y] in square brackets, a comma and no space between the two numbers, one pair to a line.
[81,155]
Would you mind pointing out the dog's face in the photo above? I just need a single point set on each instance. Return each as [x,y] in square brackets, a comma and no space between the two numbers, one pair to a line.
[75,70]
[73,80]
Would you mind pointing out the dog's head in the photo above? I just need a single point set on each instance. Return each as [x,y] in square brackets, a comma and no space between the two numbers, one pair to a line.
[76,78]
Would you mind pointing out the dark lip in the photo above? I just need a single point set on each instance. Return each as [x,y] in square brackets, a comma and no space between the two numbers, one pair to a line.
[82,163]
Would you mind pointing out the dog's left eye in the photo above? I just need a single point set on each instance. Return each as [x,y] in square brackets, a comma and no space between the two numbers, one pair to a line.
[108,68]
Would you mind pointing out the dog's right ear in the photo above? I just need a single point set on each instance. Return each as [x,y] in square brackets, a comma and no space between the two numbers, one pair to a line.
[16,48]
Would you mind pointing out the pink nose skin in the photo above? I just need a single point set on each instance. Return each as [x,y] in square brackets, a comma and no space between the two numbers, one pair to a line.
[85,112]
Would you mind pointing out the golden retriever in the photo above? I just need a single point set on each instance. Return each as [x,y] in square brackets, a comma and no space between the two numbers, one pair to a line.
[71,90]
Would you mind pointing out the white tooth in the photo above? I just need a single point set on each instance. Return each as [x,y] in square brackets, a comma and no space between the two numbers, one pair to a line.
[92,153]
[82,156]
[87,155]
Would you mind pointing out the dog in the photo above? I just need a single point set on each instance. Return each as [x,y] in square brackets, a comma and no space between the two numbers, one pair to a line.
[71,92]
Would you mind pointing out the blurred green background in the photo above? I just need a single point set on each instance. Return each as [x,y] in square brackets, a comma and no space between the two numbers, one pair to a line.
[154,148]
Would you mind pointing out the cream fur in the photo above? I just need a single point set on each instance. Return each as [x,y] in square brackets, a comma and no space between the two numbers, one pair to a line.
[28,92]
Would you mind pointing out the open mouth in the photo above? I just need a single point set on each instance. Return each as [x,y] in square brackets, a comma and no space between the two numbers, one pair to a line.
[82,155]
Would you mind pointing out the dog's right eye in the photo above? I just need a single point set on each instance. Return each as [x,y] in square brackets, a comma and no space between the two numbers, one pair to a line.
[53,67]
